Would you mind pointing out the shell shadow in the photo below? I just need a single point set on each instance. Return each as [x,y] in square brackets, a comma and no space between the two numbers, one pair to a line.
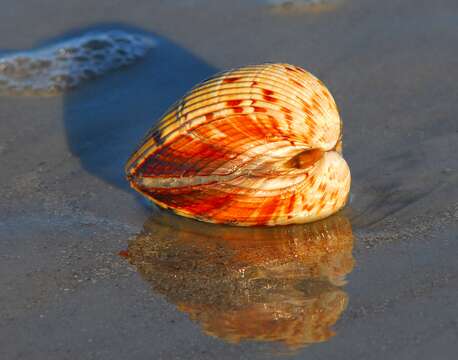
[107,117]
[281,285]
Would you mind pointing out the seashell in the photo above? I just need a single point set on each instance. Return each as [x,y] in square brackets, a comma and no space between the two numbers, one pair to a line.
[258,145]
[250,284]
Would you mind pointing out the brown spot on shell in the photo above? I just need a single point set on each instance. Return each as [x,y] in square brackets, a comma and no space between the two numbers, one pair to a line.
[232,103]
[267,92]
[286,110]
[231,79]
[269,99]
[259,109]
[307,110]
[326,94]
[289,68]
[297,83]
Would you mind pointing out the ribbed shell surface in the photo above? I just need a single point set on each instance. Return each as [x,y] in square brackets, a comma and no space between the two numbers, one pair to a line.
[258,145]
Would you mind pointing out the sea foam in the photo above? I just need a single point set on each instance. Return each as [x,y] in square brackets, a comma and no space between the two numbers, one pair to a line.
[61,66]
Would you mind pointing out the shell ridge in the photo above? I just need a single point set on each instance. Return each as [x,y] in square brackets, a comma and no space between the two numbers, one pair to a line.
[200,121]
[277,69]
[309,94]
[280,82]
[194,123]
[268,74]
[247,95]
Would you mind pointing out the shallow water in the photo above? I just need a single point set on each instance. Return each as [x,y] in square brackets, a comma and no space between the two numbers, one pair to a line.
[377,281]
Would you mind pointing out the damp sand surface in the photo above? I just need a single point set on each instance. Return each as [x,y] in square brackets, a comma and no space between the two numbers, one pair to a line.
[91,271]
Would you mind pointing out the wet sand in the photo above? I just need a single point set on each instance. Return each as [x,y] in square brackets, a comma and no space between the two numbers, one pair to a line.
[66,212]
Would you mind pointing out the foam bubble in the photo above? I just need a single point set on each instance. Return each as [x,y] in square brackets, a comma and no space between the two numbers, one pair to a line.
[62,66]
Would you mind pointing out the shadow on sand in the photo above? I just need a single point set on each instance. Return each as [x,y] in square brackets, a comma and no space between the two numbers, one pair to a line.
[105,119]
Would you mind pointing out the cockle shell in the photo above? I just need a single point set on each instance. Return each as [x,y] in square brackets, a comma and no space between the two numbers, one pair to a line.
[258,145]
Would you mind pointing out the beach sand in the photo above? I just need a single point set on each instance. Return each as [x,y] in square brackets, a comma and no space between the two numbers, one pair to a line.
[66,211]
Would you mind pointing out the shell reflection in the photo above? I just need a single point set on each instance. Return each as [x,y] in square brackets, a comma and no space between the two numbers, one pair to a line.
[264,284]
